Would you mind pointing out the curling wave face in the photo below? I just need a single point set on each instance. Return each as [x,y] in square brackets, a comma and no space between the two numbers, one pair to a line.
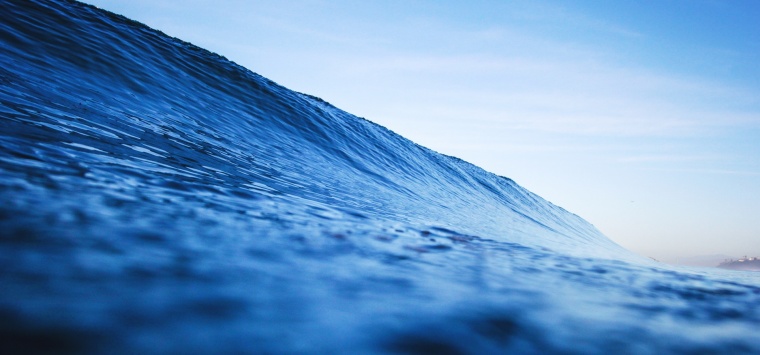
[157,197]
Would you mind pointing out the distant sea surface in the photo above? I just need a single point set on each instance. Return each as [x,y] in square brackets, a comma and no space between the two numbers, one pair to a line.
[158,198]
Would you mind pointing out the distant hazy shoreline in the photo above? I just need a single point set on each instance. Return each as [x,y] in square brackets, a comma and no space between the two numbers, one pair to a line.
[745,264]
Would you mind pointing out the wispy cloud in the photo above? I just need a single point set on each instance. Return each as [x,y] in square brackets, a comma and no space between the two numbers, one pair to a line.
[671,158]
[554,13]
[541,94]
[710,171]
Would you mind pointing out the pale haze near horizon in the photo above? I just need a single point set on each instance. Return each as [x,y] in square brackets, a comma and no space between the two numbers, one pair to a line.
[642,117]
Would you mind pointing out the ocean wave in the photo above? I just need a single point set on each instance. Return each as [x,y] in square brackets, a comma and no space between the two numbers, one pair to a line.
[160,198]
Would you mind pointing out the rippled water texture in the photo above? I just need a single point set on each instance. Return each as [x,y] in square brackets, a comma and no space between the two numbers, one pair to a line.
[156,197]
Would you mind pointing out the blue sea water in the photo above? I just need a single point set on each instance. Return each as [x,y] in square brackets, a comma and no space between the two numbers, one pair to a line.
[158,198]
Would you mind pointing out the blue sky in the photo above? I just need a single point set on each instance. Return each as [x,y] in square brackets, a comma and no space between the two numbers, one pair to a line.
[642,117]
